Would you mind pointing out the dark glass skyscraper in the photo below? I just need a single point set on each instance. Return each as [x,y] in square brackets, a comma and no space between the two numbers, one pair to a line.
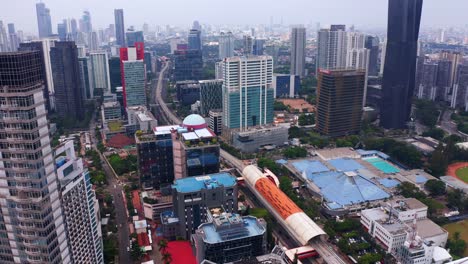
[398,82]
[119,27]
[133,37]
[67,82]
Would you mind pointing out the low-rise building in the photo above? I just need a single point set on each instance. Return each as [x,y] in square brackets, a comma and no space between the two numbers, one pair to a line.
[396,222]
[228,237]
[252,139]
[192,196]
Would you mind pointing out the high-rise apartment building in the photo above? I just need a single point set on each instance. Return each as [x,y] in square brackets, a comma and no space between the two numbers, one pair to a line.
[132,58]
[188,65]
[331,48]
[460,89]
[428,81]
[298,42]
[68,88]
[247,92]
[14,39]
[286,85]
[400,62]
[211,96]
[32,218]
[93,41]
[339,101]
[44,23]
[226,45]
[80,207]
[194,39]
[99,76]
[119,27]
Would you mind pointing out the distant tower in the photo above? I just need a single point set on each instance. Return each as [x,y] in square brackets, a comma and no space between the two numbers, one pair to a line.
[226,45]
[194,39]
[248,45]
[298,42]
[44,23]
[119,27]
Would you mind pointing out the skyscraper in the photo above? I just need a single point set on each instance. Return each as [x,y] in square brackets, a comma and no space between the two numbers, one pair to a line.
[44,24]
[247,104]
[119,27]
[85,22]
[298,42]
[194,39]
[62,30]
[67,82]
[226,45]
[339,101]
[134,37]
[114,71]
[133,75]
[14,40]
[99,76]
[32,219]
[211,96]
[73,28]
[258,47]
[372,44]
[129,54]
[43,46]
[331,48]
[247,45]
[188,65]
[400,62]
[4,44]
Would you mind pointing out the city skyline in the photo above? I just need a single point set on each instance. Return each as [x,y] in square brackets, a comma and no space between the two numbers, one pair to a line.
[207,12]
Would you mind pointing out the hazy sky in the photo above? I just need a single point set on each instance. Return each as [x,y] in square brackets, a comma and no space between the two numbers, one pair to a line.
[183,12]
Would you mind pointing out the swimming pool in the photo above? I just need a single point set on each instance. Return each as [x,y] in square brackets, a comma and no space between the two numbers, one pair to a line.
[382,165]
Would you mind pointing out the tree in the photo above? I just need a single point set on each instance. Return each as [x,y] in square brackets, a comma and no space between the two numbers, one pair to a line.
[295,152]
[110,248]
[269,164]
[136,252]
[435,187]
[456,245]
[436,133]
[166,257]
[162,245]
[457,199]
[439,161]
[306,119]
[409,190]
[279,106]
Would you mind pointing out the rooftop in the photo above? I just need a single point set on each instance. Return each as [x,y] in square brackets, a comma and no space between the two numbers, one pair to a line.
[197,183]
[245,227]
[327,154]
[426,229]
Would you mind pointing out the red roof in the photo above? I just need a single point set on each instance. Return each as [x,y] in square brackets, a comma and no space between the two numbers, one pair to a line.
[120,141]
[143,240]
[136,201]
[181,252]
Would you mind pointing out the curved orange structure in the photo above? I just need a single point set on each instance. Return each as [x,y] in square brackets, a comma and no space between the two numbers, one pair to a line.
[452,169]
[282,204]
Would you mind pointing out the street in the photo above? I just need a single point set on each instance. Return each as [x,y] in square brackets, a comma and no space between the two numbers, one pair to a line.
[115,189]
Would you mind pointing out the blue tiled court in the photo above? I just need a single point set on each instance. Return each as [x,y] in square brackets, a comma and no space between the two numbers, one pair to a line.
[309,166]
[382,165]
[345,164]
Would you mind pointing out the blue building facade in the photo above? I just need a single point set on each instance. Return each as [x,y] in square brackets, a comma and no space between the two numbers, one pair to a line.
[286,85]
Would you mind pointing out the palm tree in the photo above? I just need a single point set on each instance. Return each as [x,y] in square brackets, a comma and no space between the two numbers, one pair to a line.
[167,258]
[162,245]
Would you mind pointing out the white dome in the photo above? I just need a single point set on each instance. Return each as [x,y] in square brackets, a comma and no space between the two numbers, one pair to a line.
[194,120]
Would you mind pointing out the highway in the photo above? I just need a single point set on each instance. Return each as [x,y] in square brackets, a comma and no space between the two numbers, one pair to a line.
[325,250]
